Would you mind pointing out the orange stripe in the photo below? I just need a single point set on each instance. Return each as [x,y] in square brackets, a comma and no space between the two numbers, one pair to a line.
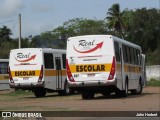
[53,72]
[129,68]
[25,73]
[132,68]
[4,77]
[90,68]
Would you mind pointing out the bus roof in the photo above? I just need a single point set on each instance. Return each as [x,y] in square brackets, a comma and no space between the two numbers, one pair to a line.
[126,42]
[114,38]
[4,60]
[43,49]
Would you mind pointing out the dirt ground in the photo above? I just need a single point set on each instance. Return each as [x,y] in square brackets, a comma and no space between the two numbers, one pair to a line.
[149,100]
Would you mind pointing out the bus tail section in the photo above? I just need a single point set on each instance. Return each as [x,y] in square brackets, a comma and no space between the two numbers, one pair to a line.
[103,64]
[39,70]
[4,84]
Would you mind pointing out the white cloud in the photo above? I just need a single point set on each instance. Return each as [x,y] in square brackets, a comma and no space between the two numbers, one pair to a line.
[10,7]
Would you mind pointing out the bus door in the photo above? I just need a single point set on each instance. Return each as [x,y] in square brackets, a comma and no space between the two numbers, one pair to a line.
[122,67]
[58,73]
[144,80]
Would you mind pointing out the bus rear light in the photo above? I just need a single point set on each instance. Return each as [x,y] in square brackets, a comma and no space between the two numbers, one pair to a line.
[71,79]
[69,74]
[41,74]
[10,75]
[112,71]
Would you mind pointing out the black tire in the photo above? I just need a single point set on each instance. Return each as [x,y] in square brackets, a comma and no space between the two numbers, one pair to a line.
[106,94]
[138,90]
[124,93]
[87,95]
[84,95]
[61,93]
[91,95]
[118,93]
[39,92]
[66,91]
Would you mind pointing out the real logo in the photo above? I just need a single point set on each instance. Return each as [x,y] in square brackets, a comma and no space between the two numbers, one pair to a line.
[24,57]
[85,43]
[21,55]
[88,47]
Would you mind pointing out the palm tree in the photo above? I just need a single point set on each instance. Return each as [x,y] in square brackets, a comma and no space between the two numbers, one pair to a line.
[116,19]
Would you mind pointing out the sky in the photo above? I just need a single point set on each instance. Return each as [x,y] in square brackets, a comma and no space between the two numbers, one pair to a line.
[38,16]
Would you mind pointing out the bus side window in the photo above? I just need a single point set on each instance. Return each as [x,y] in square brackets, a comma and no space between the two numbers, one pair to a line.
[135,57]
[116,46]
[48,61]
[128,55]
[58,63]
[124,53]
[138,57]
[64,60]
[0,69]
[4,68]
[132,55]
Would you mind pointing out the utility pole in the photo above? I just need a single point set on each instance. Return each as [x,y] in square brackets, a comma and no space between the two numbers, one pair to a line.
[159,6]
[19,31]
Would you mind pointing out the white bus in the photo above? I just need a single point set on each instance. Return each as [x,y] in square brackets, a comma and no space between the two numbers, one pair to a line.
[38,69]
[4,84]
[104,64]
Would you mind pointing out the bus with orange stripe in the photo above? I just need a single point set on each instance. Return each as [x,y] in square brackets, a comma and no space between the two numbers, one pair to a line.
[4,77]
[39,70]
[104,64]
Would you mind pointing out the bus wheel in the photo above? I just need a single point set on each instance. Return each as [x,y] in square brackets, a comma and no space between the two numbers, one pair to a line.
[106,94]
[87,95]
[66,91]
[138,90]
[124,92]
[61,93]
[91,95]
[40,92]
[118,93]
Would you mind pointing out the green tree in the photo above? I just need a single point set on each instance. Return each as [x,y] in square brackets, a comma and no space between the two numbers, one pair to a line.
[36,41]
[144,29]
[5,42]
[57,37]
[92,27]
[76,27]
[5,48]
[24,42]
[116,20]
[44,40]
[5,34]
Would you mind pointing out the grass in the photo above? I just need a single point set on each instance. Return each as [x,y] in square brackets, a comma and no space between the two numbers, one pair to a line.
[153,82]
[19,93]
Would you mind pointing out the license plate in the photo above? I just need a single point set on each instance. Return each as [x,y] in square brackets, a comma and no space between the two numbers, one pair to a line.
[25,78]
[91,74]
